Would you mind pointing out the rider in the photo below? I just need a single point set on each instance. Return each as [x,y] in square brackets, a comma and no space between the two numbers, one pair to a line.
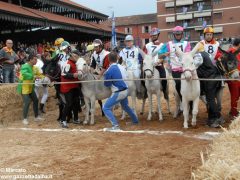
[57,44]
[168,50]
[210,46]
[99,59]
[132,59]
[155,46]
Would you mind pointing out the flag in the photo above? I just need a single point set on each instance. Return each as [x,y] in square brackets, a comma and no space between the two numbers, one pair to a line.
[114,36]
[185,25]
[184,10]
[200,8]
[204,25]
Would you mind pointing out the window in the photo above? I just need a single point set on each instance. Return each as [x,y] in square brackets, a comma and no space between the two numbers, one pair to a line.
[147,41]
[217,15]
[128,30]
[217,2]
[171,9]
[146,29]
[201,19]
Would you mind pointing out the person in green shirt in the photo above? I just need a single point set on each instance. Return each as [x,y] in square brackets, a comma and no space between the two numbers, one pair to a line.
[28,74]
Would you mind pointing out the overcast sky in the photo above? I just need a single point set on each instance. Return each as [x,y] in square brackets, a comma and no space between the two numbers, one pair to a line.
[121,7]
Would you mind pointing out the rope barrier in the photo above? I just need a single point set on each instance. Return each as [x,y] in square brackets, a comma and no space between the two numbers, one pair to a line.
[138,79]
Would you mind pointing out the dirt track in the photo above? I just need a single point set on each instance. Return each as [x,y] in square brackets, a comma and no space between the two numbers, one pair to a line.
[102,155]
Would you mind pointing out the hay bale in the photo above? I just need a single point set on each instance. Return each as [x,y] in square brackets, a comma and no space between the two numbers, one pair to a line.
[223,160]
[11,104]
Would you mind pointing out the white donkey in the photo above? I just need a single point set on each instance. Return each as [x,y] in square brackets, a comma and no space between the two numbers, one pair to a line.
[153,86]
[92,91]
[190,88]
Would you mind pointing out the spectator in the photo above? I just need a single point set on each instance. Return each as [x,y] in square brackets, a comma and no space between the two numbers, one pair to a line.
[28,74]
[9,57]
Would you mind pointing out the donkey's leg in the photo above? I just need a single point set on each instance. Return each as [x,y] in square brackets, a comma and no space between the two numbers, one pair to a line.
[195,111]
[177,104]
[93,100]
[143,105]
[219,99]
[159,105]
[185,104]
[100,103]
[150,106]
[123,114]
[167,99]
[134,103]
[87,104]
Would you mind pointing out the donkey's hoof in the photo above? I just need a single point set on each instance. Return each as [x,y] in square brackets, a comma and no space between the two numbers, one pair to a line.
[185,126]
[85,122]
[92,122]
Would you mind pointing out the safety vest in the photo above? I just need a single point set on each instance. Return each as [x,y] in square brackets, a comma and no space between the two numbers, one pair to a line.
[211,49]
[151,48]
[182,45]
[130,58]
[99,58]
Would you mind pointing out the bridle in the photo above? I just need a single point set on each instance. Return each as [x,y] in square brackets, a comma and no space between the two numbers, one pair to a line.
[56,76]
[226,73]
[151,71]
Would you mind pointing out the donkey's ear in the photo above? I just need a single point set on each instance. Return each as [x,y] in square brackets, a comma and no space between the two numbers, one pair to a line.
[143,54]
[222,51]
[195,49]
[179,51]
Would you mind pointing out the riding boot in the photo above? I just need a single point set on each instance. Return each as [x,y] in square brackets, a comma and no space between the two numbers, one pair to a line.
[42,108]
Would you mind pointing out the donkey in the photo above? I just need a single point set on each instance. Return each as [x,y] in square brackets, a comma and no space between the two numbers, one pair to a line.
[190,88]
[153,86]
[92,91]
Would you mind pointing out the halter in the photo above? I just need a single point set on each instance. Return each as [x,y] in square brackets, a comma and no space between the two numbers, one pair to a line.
[189,70]
[56,76]
[151,71]
[226,73]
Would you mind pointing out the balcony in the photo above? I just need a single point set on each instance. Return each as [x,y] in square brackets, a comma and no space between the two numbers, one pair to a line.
[202,14]
[170,19]
[218,29]
[169,4]
[194,8]
[183,2]
[184,16]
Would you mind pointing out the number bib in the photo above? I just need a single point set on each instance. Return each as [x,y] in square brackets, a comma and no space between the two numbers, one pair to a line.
[182,46]
[151,48]
[211,49]
[130,58]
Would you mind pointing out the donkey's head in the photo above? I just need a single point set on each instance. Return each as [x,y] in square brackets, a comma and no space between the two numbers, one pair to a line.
[188,65]
[148,64]
[53,70]
[229,64]
[82,68]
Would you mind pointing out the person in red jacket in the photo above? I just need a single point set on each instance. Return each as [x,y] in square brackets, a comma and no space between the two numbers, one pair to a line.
[70,91]
[234,86]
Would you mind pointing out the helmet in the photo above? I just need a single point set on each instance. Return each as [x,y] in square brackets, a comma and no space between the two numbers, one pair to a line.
[129,38]
[97,42]
[90,47]
[178,30]
[58,41]
[208,30]
[154,31]
[64,45]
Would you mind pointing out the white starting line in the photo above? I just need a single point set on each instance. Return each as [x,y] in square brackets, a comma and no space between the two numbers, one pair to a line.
[203,136]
